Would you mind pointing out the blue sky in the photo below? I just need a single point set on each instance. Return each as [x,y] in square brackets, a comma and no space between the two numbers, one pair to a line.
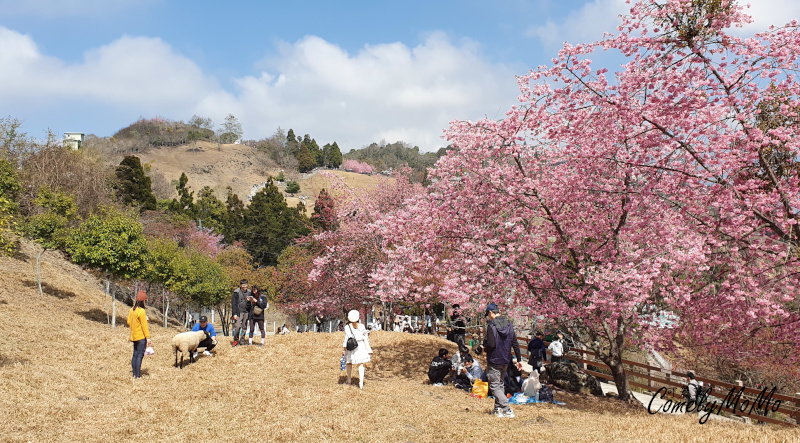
[353,72]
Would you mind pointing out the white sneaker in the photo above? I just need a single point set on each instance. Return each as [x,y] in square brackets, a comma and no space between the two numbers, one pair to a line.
[507,414]
[194,355]
[207,353]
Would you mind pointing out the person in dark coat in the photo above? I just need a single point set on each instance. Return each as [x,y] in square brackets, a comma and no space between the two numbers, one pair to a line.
[256,305]
[440,367]
[500,339]
[239,311]
[537,351]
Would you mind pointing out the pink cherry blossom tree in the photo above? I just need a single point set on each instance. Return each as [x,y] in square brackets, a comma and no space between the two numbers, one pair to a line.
[600,201]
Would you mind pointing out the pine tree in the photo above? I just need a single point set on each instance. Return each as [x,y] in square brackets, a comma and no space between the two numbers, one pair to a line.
[305,160]
[270,225]
[133,186]
[185,202]
[234,217]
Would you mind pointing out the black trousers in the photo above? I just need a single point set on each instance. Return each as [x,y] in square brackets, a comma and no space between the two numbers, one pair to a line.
[208,343]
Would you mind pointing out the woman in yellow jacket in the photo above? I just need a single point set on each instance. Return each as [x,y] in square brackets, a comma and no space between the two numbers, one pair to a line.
[140,335]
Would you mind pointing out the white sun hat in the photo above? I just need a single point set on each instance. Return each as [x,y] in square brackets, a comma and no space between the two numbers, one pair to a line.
[353,316]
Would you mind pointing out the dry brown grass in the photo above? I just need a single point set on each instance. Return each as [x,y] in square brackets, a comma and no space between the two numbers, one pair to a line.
[66,377]
[237,166]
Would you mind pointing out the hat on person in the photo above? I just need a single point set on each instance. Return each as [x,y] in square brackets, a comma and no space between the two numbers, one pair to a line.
[141,296]
[203,319]
[491,307]
[353,316]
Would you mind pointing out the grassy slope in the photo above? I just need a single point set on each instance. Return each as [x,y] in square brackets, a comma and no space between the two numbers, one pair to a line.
[235,166]
[66,376]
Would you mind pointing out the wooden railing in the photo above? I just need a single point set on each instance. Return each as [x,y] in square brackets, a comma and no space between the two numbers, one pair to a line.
[673,381]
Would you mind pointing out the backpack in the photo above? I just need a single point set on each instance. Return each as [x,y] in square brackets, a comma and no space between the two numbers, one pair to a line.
[545,394]
[352,343]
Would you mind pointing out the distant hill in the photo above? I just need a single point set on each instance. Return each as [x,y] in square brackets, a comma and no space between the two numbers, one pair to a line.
[396,155]
[239,166]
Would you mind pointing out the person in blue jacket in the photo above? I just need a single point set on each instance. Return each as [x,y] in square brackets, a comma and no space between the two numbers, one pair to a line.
[211,340]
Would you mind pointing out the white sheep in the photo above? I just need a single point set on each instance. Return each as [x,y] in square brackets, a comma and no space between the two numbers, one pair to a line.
[187,342]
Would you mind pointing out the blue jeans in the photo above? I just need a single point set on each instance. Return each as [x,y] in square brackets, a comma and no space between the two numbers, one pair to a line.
[138,354]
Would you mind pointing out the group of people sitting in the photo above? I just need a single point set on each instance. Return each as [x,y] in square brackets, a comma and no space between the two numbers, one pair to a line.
[462,370]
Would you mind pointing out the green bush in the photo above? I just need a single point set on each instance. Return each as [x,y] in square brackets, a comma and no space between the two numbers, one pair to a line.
[292,187]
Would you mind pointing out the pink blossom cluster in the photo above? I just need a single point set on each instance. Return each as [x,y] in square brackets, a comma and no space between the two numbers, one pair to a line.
[357,166]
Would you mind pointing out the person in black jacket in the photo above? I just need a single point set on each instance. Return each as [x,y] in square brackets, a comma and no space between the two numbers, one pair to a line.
[256,302]
[440,367]
[239,311]
[459,328]
[537,351]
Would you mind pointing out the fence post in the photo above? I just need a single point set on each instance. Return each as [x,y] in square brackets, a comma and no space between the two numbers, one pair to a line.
[583,357]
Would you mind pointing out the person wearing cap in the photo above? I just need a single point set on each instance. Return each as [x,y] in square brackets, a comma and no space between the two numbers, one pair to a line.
[211,340]
[239,311]
[362,353]
[500,339]
[140,334]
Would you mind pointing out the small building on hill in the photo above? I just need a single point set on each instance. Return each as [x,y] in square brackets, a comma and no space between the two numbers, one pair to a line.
[73,139]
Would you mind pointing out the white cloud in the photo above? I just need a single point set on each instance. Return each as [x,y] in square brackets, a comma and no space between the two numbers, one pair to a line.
[583,25]
[388,91]
[144,73]
[384,92]
[588,23]
[769,12]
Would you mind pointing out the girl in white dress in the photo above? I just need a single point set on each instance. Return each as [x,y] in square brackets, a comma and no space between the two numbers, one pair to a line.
[362,353]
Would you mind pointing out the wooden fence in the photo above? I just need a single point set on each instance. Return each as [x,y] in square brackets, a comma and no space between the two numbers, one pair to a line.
[673,381]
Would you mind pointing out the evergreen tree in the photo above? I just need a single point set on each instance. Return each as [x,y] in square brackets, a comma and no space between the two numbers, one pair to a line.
[305,160]
[270,225]
[185,202]
[133,186]
[209,210]
[331,156]
[313,148]
[324,217]
[292,145]
[234,217]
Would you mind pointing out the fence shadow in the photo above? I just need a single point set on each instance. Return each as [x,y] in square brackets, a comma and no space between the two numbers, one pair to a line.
[49,289]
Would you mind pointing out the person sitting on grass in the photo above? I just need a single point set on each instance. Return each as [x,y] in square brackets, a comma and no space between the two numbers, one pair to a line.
[469,371]
[439,368]
[283,330]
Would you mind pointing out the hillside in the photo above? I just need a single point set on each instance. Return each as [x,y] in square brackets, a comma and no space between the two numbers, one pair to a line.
[237,166]
[66,376]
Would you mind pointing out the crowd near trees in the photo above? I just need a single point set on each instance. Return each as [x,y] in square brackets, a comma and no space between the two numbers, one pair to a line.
[604,201]
[601,202]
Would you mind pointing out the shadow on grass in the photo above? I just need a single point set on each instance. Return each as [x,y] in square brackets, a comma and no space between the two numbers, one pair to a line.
[99,316]
[9,361]
[405,358]
[49,290]
[3,302]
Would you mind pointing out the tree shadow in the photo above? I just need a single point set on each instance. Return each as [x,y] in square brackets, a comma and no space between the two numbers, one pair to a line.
[49,289]
[99,316]
[405,358]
